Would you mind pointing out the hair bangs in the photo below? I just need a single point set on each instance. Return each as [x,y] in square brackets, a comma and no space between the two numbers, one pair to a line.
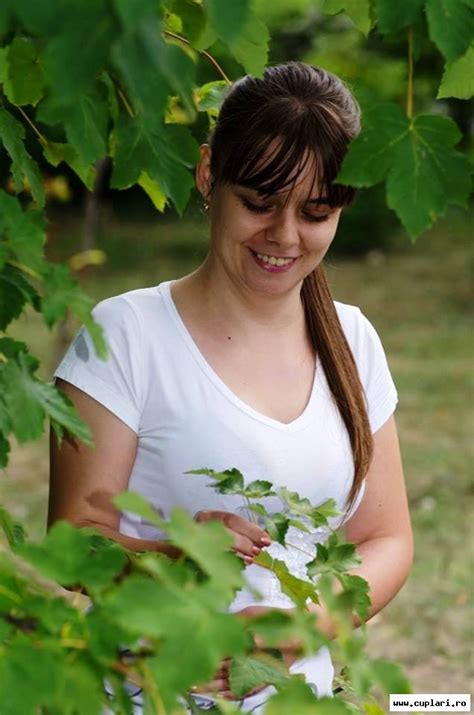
[275,151]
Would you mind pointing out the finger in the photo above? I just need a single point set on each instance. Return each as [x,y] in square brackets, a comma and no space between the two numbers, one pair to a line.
[259,537]
[244,545]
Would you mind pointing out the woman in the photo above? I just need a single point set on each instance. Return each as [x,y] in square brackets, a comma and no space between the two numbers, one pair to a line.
[247,362]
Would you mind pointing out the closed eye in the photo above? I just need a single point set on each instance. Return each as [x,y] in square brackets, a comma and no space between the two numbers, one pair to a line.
[255,208]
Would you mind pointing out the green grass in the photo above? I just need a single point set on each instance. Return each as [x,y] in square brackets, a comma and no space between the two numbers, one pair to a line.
[418,298]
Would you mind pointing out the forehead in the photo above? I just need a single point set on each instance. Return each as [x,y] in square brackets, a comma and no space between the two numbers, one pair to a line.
[282,170]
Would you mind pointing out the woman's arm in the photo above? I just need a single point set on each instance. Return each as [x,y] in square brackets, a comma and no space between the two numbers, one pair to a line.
[83,480]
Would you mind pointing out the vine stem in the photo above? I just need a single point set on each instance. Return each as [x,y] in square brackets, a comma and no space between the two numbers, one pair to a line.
[410,74]
[205,54]
[34,128]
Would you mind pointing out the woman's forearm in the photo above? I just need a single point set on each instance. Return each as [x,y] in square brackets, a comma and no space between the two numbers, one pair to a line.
[133,544]
[386,563]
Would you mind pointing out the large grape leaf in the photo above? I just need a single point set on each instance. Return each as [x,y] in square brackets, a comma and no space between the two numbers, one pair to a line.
[71,65]
[358,11]
[246,673]
[424,172]
[28,400]
[166,154]
[145,85]
[276,627]
[85,121]
[25,79]
[251,47]
[228,18]
[192,18]
[25,232]
[458,77]
[451,25]
[12,135]
[393,16]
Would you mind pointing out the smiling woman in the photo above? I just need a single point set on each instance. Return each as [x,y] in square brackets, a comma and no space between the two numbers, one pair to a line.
[248,362]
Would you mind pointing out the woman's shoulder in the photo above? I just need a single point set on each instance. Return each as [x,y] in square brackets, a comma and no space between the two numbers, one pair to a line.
[358,329]
[131,306]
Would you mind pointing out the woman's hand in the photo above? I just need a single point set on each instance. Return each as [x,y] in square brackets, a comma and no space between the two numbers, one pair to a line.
[249,539]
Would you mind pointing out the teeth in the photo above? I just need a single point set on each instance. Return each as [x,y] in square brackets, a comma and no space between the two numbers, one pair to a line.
[274,261]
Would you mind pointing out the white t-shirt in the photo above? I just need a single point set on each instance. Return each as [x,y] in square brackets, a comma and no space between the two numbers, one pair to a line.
[158,382]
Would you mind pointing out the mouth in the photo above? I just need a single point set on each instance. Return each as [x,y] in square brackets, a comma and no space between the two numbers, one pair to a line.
[274,264]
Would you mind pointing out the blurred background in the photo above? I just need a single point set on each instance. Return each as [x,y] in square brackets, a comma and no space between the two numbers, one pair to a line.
[419,297]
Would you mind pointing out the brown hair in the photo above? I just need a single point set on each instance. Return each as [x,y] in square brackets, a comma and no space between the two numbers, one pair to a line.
[308,113]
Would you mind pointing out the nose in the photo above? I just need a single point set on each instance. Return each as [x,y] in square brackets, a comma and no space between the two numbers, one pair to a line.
[283,229]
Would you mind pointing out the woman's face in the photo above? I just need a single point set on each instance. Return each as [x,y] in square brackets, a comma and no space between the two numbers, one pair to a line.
[267,244]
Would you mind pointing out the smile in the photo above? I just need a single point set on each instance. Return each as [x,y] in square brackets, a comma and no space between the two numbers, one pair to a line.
[272,263]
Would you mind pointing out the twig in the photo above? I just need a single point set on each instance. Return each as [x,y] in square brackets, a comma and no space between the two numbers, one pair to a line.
[205,54]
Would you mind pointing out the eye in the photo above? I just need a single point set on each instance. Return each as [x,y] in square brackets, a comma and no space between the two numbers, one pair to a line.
[253,207]
[316,219]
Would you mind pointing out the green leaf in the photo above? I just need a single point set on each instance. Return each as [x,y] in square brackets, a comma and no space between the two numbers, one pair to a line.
[165,154]
[251,47]
[208,544]
[424,173]
[68,77]
[276,627]
[333,557]
[56,152]
[136,504]
[458,77]
[277,526]
[67,556]
[192,18]
[15,292]
[428,174]
[393,16]
[176,67]
[229,19]
[359,594]
[248,672]
[297,589]
[63,294]
[210,96]
[259,488]
[357,10]
[12,136]
[319,515]
[13,530]
[371,155]
[3,64]
[153,190]
[390,677]
[85,121]
[28,400]
[25,232]
[298,697]
[25,82]
[451,26]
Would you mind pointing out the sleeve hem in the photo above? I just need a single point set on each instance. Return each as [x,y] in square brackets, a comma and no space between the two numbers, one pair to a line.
[383,412]
[99,391]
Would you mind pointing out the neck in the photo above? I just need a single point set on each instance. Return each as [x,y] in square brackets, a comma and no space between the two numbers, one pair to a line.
[242,310]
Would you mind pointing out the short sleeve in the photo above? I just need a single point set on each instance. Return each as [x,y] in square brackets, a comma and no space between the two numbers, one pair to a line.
[379,388]
[116,381]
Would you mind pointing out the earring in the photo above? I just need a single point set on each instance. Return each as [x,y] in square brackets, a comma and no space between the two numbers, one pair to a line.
[205,206]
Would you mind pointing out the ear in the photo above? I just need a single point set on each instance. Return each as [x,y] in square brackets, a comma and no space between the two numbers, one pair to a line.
[203,171]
